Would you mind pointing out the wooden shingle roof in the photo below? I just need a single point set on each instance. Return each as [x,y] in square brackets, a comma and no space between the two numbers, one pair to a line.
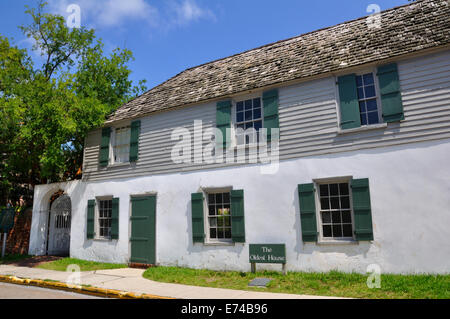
[423,24]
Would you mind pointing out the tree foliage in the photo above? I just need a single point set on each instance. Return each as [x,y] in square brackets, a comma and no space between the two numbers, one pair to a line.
[46,111]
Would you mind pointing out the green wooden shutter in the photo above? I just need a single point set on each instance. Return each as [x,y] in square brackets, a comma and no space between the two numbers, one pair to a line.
[90,219]
[349,105]
[307,202]
[134,141]
[361,209]
[115,219]
[198,226]
[391,99]
[271,119]
[237,216]
[104,147]
[223,121]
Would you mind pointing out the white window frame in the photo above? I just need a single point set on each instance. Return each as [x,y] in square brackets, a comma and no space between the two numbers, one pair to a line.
[333,180]
[97,218]
[208,239]
[112,146]
[234,141]
[377,95]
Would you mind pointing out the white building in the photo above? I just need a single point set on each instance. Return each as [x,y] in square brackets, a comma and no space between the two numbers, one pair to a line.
[363,175]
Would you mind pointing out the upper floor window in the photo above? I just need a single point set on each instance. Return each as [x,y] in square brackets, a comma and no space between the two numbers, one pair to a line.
[121,145]
[248,116]
[367,98]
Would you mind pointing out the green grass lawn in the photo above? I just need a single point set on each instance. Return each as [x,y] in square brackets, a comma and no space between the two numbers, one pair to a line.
[324,284]
[62,264]
[13,258]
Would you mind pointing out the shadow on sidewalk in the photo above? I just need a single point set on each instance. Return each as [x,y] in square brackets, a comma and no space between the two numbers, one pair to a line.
[32,261]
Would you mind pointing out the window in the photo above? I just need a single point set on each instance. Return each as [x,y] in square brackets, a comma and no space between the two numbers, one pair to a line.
[248,116]
[121,147]
[104,218]
[367,98]
[219,216]
[335,212]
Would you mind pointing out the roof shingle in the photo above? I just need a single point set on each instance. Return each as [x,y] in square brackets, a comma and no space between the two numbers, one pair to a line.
[421,25]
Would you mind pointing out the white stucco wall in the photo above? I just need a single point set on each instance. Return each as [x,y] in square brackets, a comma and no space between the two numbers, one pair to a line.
[410,187]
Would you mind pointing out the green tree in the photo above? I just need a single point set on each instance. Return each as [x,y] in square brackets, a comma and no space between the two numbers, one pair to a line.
[46,111]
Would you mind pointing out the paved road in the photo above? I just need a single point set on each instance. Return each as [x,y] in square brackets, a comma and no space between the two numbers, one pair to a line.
[11,291]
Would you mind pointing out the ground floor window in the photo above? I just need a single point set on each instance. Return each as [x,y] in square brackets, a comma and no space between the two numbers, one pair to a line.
[335,211]
[219,216]
[104,218]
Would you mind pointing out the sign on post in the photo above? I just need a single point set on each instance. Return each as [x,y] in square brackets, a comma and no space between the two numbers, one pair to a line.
[6,224]
[267,254]
[7,220]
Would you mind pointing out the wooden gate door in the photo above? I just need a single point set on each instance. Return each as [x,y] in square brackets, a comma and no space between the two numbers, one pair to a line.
[59,235]
[143,230]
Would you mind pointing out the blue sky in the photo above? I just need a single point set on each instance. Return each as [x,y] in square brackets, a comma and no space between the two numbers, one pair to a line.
[169,36]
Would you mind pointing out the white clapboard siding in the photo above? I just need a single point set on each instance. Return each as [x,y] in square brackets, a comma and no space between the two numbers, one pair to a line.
[308,122]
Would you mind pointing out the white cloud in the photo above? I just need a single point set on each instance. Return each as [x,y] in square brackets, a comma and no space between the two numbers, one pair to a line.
[113,13]
[108,13]
[188,11]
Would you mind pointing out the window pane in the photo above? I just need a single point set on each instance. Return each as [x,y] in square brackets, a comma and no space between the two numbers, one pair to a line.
[369,91]
[219,198]
[347,229]
[371,105]
[220,221]
[248,115]
[240,117]
[248,125]
[359,80]
[212,233]
[334,189]
[227,232]
[373,117]
[226,209]
[368,79]
[343,189]
[323,190]
[360,93]
[211,199]
[212,222]
[346,217]
[327,231]
[324,204]
[256,114]
[212,210]
[239,106]
[248,105]
[363,119]
[257,103]
[334,202]
[345,202]
[336,217]
[326,217]
[226,198]
[258,125]
[220,233]
[227,221]
[337,231]
[362,106]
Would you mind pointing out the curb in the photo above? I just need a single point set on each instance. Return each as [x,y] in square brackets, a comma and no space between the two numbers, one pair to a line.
[94,291]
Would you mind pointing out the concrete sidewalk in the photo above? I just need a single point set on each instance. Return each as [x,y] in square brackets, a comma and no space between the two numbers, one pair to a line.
[131,280]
